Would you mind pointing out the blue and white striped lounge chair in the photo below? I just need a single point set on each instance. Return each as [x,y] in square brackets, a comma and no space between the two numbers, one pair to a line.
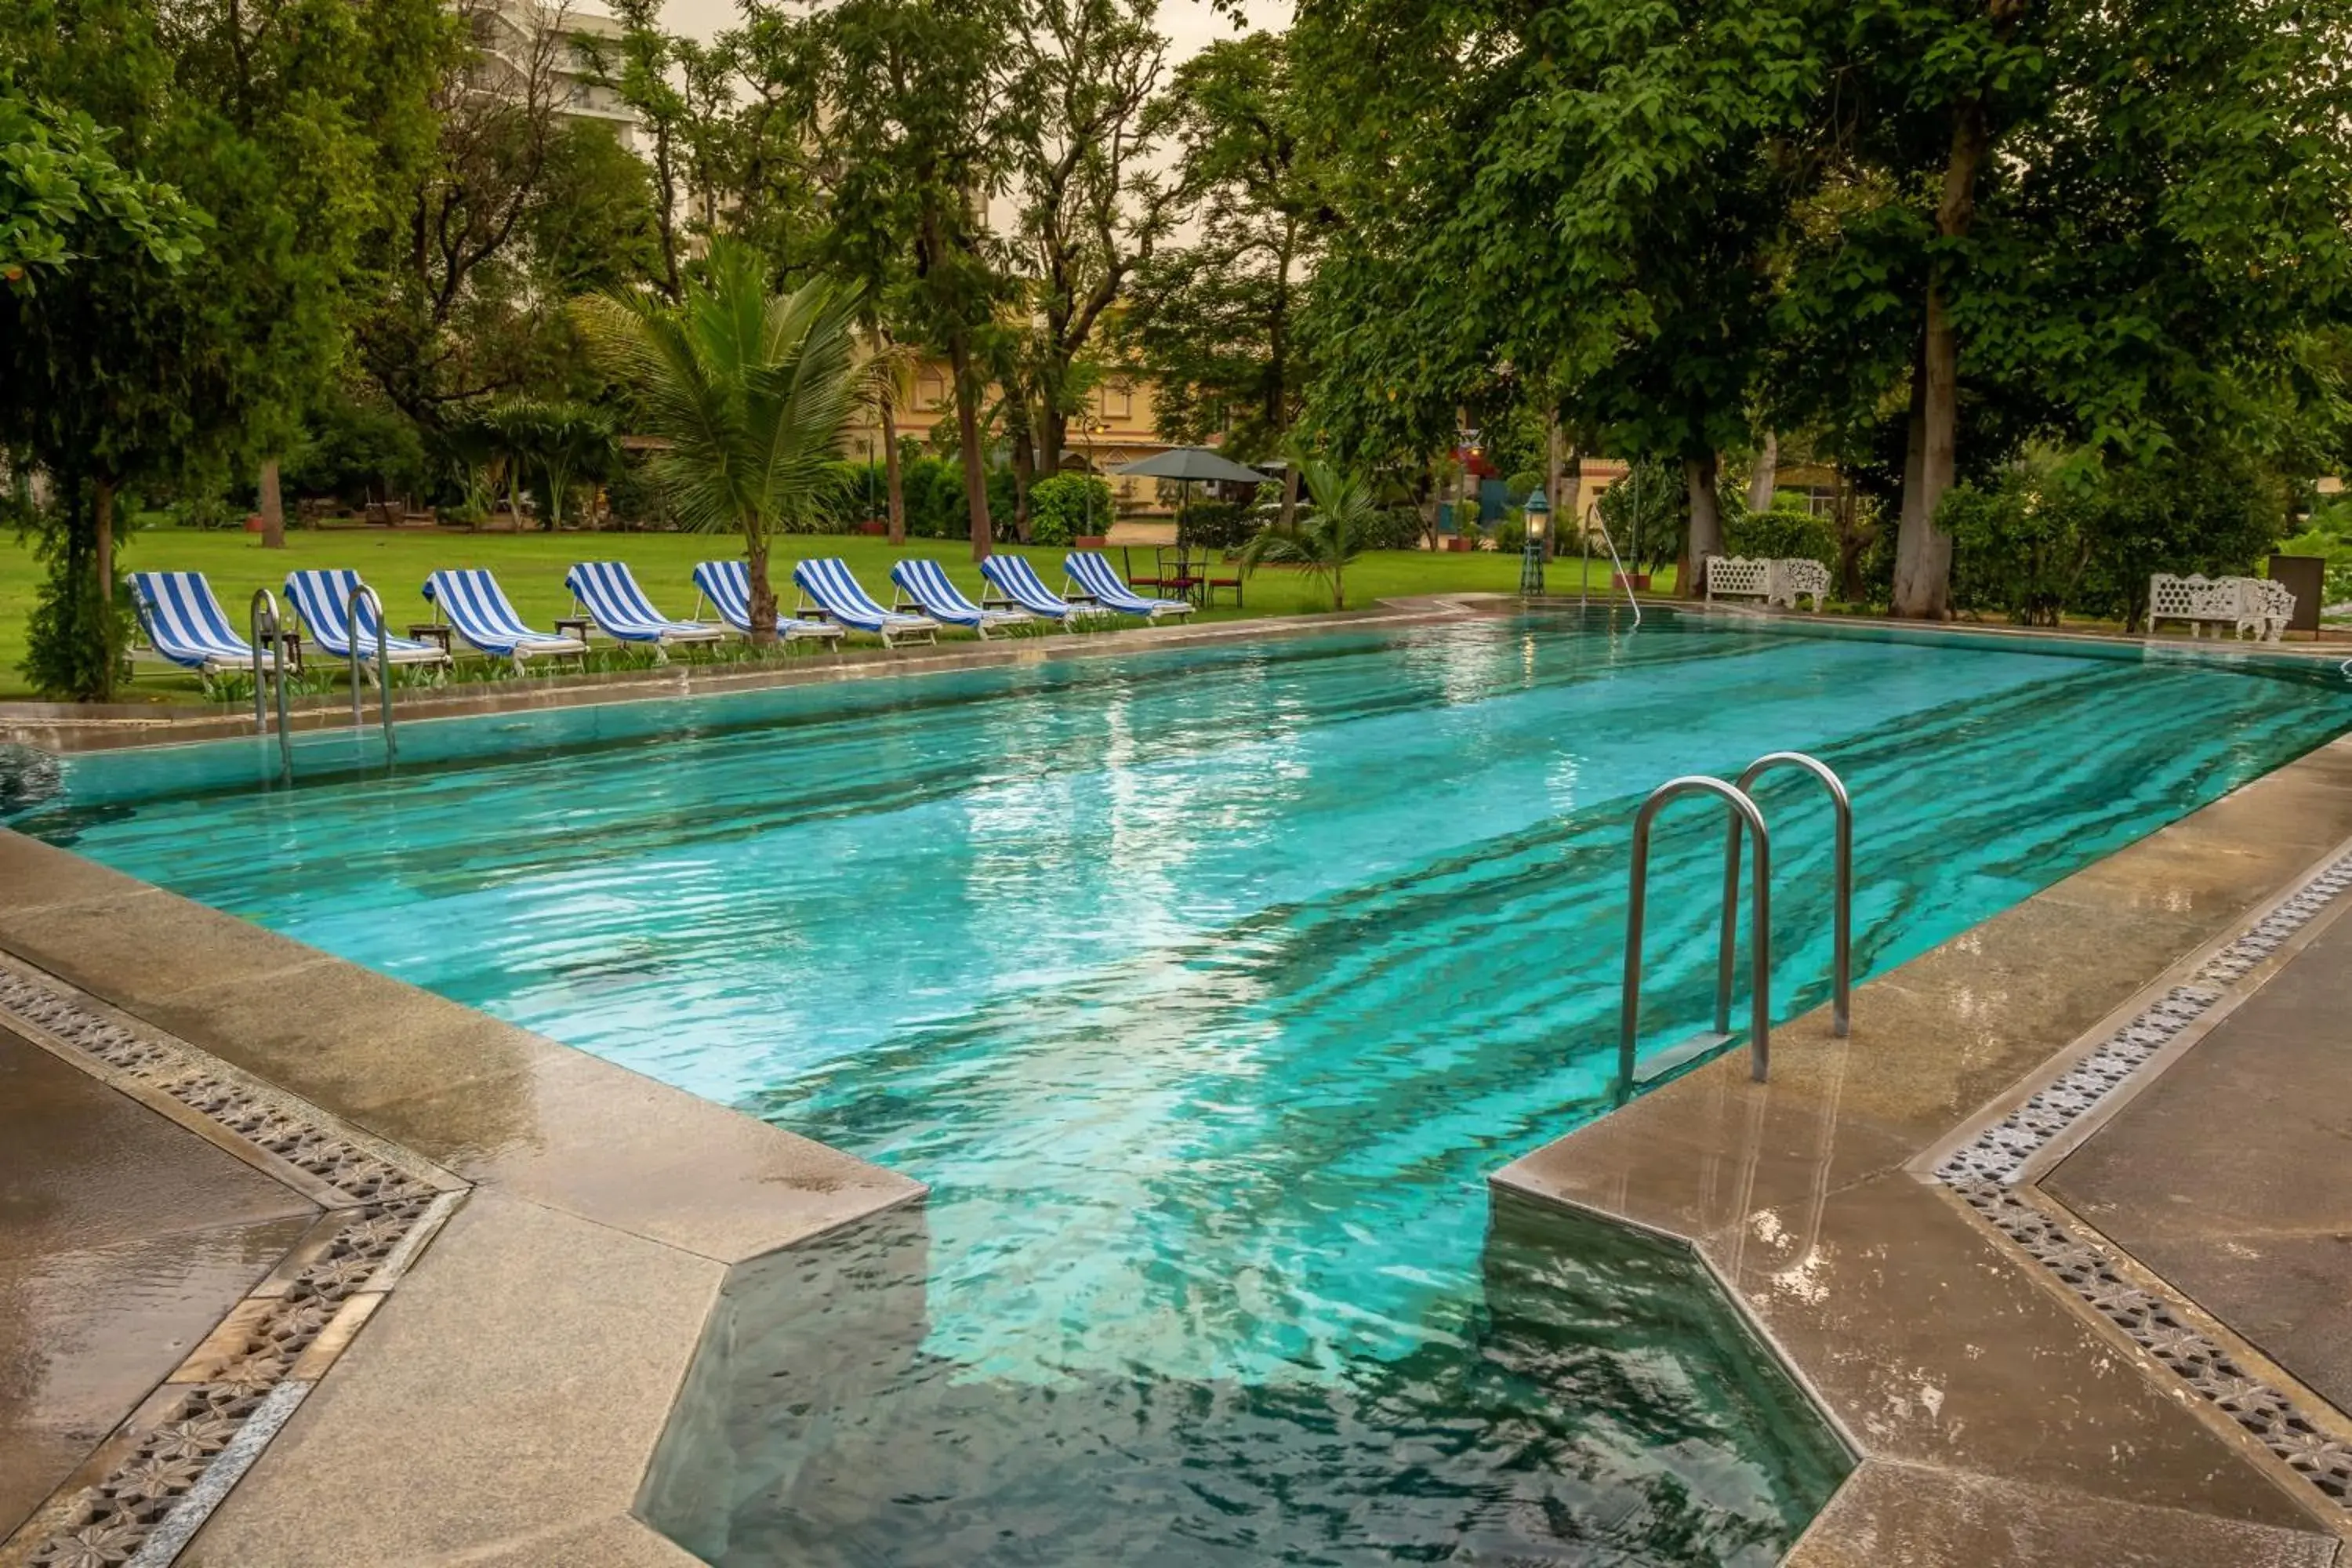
[827,587]
[1018,586]
[185,624]
[726,586]
[473,604]
[923,585]
[322,600]
[607,592]
[1098,580]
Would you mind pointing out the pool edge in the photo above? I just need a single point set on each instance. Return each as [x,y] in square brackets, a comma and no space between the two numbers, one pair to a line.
[504,1406]
[1995,1419]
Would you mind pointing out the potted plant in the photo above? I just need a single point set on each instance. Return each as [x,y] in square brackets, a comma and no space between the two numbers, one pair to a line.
[874,527]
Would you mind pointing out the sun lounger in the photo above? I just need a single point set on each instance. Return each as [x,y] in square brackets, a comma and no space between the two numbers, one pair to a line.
[606,592]
[1018,586]
[185,625]
[322,599]
[924,584]
[1097,580]
[726,586]
[476,609]
[827,587]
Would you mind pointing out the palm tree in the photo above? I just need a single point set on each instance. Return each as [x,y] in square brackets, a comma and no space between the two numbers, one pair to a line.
[1329,535]
[749,389]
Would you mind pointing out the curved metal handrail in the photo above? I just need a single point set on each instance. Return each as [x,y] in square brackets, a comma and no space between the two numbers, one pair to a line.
[1842,912]
[383,662]
[264,631]
[1742,809]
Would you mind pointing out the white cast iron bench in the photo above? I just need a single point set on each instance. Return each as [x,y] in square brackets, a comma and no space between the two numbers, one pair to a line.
[1776,582]
[2249,606]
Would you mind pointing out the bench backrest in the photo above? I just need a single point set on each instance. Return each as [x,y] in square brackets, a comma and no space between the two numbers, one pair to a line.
[1738,574]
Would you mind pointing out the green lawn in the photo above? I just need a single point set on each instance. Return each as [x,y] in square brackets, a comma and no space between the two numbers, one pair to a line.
[531,567]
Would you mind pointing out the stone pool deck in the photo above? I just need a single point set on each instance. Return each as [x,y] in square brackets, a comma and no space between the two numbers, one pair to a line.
[531,1239]
[504,1400]
[2020,1387]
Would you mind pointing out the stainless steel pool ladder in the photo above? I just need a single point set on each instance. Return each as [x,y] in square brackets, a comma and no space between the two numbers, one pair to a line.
[1743,812]
[264,628]
[382,663]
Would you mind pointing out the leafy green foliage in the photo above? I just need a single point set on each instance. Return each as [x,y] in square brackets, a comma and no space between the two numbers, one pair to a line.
[1064,507]
[1325,537]
[62,195]
[751,390]
[2048,537]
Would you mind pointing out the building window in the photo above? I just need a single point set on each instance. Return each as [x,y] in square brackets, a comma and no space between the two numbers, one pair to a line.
[930,390]
[1119,402]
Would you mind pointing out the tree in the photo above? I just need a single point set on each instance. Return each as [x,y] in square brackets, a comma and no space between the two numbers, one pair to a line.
[912,118]
[2067,223]
[83,241]
[1579,208]
[751,390]
[1332,532]
[1092,207]
[1217,320]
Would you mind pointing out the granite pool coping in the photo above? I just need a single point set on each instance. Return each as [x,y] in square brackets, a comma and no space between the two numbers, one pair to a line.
[502,1407]
[1997,1418]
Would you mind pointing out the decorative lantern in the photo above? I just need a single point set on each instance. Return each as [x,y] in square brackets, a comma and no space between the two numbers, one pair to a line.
[1531,555]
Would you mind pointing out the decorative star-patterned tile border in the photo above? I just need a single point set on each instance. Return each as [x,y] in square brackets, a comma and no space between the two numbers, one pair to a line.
[152,1484]
[1987,1170]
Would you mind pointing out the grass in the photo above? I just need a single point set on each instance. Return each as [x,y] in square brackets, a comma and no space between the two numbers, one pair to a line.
[531,567]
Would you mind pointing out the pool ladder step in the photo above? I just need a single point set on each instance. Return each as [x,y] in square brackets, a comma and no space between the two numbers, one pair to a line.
[1745,816]
[267,636]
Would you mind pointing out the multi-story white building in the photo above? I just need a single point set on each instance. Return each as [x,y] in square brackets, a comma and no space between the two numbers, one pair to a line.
[522,40]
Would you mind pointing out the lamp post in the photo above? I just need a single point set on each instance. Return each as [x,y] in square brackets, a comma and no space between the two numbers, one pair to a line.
[1531,552]
[1090,425]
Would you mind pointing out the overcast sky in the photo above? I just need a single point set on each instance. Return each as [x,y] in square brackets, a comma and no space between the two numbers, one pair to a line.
[1188,24]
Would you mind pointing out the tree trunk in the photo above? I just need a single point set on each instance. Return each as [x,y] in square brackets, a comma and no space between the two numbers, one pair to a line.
[1923,552]
[1766,475]
[1568,506]
[763,594]
[1554,483]
[890,480]
[514,493]
[1338,583]
[1289,494]
[273,507]
[103,535]
[1052,439]
[1850,543]
[1024,458]
[1705,536]
[975,464]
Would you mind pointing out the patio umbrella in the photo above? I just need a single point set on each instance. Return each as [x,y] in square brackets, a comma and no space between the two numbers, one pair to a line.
[1188,465]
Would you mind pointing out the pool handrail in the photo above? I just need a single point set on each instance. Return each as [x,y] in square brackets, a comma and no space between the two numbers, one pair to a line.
[262,617]
[1743,810]
[1842,897]
[361,591]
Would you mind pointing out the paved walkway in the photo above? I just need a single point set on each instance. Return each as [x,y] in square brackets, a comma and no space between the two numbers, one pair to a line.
[123,1239]
[2227,1176]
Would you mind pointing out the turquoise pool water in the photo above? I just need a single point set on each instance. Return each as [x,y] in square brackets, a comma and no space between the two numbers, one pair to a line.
[1205,986]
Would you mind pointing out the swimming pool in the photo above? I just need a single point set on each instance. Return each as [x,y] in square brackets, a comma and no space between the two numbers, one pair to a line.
[1205,986]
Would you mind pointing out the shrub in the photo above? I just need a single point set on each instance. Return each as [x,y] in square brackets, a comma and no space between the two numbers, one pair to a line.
[1216,525]
[1781,534]
[1059,508]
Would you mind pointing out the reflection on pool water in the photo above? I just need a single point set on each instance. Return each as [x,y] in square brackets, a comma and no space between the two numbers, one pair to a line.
[1205,986]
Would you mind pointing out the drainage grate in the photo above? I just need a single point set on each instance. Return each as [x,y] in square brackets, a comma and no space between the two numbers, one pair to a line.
[1984,1171]
[164,1472]
[2157,1327]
